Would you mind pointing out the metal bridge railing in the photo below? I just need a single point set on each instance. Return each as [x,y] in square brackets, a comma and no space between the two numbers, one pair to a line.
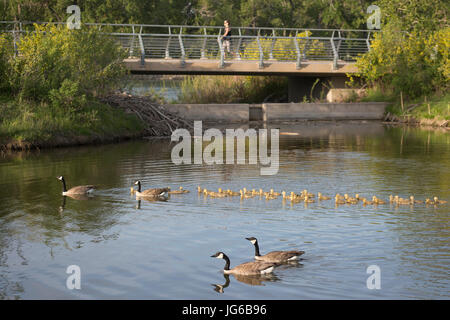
[247,44]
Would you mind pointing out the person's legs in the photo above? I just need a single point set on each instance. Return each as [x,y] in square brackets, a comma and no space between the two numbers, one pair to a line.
[226,46]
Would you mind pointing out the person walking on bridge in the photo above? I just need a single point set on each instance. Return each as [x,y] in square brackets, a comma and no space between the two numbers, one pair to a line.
[227,37]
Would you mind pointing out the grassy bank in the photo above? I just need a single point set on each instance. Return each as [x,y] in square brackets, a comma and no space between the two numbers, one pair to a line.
[37,124]
[423,109]
[233,89]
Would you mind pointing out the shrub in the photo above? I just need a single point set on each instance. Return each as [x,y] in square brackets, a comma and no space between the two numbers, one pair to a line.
[415,63]
[61,66]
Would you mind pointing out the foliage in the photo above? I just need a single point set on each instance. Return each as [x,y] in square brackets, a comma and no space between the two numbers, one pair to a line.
[416,64]
[63,66]
[275,13]
[6,52]
[40,122]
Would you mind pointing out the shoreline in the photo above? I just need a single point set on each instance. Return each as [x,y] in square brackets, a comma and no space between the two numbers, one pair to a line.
[140,107]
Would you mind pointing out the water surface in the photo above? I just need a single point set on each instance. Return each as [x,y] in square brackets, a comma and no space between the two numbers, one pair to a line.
[128,249]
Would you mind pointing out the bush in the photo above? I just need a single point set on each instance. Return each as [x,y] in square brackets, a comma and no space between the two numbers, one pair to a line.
[61,66]
[415,63]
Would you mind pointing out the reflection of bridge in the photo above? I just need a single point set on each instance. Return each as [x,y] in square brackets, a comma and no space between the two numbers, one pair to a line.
[328,54]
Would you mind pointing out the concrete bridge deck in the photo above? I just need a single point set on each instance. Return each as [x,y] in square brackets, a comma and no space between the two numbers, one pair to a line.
[238,67]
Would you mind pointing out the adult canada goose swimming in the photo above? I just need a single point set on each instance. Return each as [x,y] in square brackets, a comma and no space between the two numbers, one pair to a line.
[155,192]
[275,256]
[75,190]
[247,268]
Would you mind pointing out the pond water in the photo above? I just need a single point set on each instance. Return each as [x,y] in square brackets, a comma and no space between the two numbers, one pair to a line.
[169,90]
[130,249]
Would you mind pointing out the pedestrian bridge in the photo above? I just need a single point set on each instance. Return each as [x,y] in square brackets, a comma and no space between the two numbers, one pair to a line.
[172,49]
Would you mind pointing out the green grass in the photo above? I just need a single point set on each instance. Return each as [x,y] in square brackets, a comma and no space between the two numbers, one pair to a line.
[33,122]
[439,104]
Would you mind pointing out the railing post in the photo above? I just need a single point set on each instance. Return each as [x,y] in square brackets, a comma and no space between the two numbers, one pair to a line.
[222,52]
[203,50]
[183,53]
[261,54]
[167,53]
[339,43]
[141,44]
[238,47]
[335,55]
[272,45]
[297,49]
[368,41]
[131,52]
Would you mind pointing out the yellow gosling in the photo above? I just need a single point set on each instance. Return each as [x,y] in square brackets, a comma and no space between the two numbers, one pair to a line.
[339,200]
[322,197]
[365,202]
[413,200]
[274,193]
[378,201]
[437,201]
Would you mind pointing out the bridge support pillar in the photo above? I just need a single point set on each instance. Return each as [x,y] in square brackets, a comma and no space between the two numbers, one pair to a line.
[304,88]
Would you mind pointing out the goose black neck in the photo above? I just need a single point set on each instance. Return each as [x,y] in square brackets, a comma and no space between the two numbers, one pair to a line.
[227,264]
[64,184]
[257,254]
[139,186]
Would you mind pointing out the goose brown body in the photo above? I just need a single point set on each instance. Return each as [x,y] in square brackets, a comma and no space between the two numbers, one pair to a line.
[275,256]
[155,192]
[75,190]
[247,268]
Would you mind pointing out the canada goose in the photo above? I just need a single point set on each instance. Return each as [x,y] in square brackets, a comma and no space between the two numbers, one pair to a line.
[233,193]
[339,200]
[270,197]
[245,195]
[247,268]
[199,189]
[274,193]
[155,192]
[428,201]
[338,196]
[437,201]
[414,200]
[179,191]
[306,193]
[350,199]
[322,197]
[275,256]
[403,201]
[365,202]
[75,190]
[306,199]
[391,199]
[377,201]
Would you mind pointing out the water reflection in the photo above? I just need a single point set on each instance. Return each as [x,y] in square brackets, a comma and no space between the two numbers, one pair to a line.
[252,280]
